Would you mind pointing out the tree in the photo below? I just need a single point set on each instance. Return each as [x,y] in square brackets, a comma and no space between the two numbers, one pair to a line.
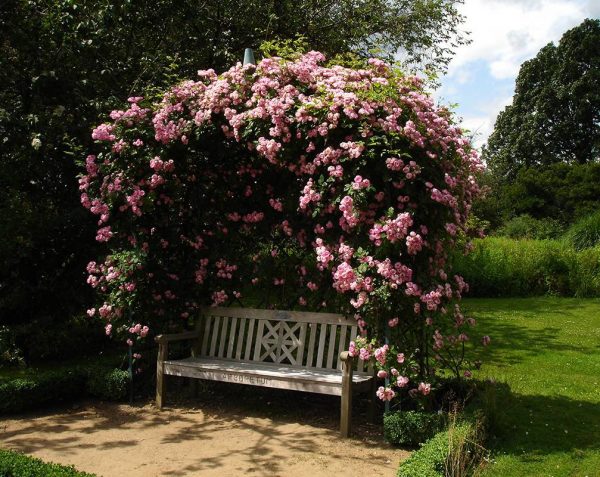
[555,113]
[65,63]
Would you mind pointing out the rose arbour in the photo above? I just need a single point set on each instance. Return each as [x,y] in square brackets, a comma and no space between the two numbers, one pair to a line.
[294,184]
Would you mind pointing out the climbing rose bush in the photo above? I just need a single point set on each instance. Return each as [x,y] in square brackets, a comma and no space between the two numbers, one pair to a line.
[290,184]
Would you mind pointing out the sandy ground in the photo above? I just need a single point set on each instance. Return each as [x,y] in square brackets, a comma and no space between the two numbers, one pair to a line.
[201,439]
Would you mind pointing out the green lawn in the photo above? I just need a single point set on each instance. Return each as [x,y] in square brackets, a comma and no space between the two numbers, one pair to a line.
[547,350]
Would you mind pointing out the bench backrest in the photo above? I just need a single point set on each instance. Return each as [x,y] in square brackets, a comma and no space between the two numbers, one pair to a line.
[289,338]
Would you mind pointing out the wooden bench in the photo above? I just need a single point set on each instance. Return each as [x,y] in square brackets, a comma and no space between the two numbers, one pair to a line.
[271,348]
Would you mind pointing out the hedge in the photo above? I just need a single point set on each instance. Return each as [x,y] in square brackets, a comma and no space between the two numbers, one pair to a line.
[501,266]
[14,464]
[62,384]
[411,428]
[453,452]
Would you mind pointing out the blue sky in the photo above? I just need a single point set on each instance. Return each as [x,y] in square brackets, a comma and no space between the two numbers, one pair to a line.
[504,34]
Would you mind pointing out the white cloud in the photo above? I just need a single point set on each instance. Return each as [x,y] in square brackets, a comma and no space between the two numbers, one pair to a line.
[505,33]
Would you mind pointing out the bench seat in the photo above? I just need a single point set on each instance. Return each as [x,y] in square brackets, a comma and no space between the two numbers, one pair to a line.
[271,375]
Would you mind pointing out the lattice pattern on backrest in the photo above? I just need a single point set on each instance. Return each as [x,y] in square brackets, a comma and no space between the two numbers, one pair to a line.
[289,338]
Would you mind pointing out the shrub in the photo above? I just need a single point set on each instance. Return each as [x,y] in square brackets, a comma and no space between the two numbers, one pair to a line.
[411,428]
[64,384]
[44,388]
[500,266]
[366,215]
[585,233]
[451,453]
[111,385]
[525,226]
[14,464]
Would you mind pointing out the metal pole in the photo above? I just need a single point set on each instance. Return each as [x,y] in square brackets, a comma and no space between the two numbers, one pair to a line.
[249,57]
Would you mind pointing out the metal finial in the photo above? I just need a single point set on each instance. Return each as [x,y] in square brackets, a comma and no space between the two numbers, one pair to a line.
[249,57]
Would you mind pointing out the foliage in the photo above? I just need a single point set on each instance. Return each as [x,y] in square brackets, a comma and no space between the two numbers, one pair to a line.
[108,384]
[46,386]
[585,233]
[505,267]
[555,113]
[63,63]
[342,171]
[545,363]
[45,340]
[562,192]
[14,464]
[411,428]
[525,226]
[455,452]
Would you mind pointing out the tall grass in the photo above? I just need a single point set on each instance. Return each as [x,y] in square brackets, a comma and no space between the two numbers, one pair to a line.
[500,266]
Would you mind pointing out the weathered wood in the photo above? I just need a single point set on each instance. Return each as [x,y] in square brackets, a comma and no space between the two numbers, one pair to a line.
[301,344]
[204,349]
[240,339]
[250,339]
[231,338]
[223,337]
[188,335]
[310,357]
[281,315]
[258,341]
[274,356]
[331,347]
[215,335]
[163,352]
[321,350]
[346,404]
[372,414]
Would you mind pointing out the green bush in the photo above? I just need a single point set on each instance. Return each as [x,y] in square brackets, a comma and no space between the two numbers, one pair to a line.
[500,266]
[47,387]
[411,428]
[14,464]
[525,226]
[585,233]
[111,385]
[455,452]
[44,387]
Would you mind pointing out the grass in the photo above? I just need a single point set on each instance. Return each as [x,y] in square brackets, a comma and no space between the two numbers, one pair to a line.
[547,352]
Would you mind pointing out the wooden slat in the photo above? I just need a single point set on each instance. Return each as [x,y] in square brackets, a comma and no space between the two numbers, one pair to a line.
[331,350]
[342,346]
[301,344]
[310,357]
[321,350]
[249,340]
[208,319]
[215,334]
[223,337]
[238,351]
[280,315]
[231,337]
[258,340]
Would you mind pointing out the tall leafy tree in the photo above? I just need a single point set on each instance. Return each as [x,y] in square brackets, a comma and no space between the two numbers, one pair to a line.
[555,113]
[65,63]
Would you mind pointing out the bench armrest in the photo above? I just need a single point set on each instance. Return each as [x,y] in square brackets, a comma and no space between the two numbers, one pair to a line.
[345,356]
[188,335]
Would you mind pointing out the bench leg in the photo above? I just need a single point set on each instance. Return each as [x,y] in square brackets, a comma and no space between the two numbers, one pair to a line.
[160,376]
[346,404]
[372,414]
